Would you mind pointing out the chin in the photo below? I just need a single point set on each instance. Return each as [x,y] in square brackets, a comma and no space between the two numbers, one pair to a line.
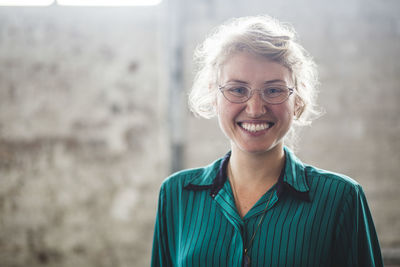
[258,150]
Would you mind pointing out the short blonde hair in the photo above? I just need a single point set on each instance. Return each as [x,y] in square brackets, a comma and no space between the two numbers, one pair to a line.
[263,36]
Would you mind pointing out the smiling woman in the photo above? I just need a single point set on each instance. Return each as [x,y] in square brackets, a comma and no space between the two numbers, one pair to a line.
[260,205]
[253,126]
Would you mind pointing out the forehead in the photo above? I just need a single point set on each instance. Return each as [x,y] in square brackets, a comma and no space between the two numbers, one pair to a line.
[252,69]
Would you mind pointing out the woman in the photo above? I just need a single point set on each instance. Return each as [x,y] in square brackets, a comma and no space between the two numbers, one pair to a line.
[260,205]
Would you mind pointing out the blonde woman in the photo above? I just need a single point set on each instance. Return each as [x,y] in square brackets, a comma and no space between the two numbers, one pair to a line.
[260,205]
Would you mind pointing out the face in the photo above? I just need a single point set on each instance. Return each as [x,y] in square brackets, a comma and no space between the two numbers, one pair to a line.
[254,126]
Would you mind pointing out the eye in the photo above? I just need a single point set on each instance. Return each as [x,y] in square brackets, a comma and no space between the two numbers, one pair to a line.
[274,91]
[238,90]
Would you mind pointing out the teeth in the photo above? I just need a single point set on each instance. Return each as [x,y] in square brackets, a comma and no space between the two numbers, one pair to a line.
[252,127]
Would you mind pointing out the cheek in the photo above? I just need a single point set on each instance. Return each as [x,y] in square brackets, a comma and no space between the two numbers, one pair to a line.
[285,112]
[222,117]
[290,107]
[221,110]
[223,107]
[226,114]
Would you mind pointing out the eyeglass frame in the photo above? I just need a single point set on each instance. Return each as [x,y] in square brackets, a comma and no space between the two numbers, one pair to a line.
[251,90]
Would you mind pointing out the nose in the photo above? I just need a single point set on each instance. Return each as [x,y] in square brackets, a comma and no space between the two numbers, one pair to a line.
[256,106]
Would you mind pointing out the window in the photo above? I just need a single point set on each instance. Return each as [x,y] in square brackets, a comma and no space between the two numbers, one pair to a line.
[108,2]
[80,2]
[26,2]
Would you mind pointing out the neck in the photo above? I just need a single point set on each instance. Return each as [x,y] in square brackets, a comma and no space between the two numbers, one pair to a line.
[256,171]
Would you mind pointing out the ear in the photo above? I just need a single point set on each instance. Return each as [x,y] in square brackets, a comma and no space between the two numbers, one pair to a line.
[299,107]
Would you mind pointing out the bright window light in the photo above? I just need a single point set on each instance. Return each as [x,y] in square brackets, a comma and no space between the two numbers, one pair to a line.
[109,2]
[26,2]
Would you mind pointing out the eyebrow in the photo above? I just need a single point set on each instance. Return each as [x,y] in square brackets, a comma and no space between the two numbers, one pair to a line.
[275,81]
[267,82]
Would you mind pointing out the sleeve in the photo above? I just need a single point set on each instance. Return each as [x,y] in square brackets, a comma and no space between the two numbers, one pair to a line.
[160,252]
[356,241]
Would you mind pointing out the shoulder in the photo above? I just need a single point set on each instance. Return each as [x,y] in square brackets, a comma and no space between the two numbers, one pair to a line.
[317,173]
[305,176]
[320,179]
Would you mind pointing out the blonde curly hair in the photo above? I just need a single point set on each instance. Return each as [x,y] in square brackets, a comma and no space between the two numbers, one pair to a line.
[263,36]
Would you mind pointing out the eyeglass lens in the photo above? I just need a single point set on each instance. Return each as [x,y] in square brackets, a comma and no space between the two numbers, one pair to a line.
[240,94]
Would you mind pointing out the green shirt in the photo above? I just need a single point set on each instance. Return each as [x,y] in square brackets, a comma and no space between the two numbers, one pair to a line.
[314,218]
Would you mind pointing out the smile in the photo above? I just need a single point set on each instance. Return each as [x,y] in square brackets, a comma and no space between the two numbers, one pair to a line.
[255,127]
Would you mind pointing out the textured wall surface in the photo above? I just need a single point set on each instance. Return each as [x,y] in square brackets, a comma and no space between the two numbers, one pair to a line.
[84,141]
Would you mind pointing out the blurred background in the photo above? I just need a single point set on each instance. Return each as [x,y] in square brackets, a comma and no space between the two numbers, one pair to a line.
[93,118]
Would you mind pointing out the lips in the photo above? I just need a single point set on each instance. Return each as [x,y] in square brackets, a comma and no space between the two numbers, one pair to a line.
[254,127]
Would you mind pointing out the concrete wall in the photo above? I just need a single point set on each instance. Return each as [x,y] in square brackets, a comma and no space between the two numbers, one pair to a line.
[83,145]
[84,125]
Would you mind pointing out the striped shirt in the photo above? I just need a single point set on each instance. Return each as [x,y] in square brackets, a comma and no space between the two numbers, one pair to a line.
[314,218]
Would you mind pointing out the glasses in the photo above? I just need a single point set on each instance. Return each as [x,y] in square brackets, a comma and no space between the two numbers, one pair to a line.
[272,94]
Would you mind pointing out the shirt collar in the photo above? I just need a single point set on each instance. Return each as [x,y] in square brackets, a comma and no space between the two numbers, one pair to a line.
[293,178]
[215,179]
